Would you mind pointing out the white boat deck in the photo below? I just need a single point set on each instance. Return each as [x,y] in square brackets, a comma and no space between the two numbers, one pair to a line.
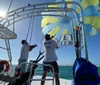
[62,81]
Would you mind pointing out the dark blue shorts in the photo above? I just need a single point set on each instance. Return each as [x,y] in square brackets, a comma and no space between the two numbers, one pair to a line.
[48,68]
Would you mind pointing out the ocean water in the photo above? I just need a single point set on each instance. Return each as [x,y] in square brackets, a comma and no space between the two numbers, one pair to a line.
[65,72]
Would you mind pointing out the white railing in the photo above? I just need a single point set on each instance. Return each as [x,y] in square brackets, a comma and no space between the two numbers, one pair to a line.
[30,79]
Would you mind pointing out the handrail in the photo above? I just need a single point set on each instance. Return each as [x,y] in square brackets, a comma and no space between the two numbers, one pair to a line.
[29,79]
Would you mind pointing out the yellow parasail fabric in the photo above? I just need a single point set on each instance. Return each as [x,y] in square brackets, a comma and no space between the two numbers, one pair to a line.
[93,20]
[85,3]
[48,19]
[54,31]
[69,5]
[53,5]
[65,32]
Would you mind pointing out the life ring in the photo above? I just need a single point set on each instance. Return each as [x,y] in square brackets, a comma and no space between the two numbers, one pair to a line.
[5,64]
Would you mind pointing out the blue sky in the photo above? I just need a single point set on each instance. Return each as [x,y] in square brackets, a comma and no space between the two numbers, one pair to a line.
[66,54]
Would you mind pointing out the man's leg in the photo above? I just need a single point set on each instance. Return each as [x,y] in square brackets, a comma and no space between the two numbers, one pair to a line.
[56,71]
[43,77]
[56,78]
[23,66]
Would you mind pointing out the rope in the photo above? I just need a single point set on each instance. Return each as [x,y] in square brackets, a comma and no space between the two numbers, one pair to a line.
[29,28]
[30,32]
[9,6]
[41,40]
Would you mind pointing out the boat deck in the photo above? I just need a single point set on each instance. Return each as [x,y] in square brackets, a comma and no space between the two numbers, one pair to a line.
[62,81]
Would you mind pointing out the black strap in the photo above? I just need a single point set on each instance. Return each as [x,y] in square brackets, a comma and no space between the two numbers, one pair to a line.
[40,59]
[40,53]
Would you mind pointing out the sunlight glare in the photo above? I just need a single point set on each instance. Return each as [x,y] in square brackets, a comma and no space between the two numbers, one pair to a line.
[3,14]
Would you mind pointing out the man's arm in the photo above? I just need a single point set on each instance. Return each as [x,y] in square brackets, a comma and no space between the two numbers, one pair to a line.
[32,46]
[56,44]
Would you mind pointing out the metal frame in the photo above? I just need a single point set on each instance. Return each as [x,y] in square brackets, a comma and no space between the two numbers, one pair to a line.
[35,10]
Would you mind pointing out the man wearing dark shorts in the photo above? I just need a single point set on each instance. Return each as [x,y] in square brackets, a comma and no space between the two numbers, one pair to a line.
[50,58]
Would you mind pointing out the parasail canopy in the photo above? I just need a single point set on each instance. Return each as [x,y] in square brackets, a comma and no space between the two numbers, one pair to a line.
[61,26]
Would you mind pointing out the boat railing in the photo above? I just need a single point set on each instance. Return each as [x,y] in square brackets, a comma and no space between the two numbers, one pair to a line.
[32,79]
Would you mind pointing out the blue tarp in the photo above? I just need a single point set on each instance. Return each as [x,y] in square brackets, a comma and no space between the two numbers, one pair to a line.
[85,73]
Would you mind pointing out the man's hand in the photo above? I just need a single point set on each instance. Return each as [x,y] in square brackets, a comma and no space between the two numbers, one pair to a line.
[32,46]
